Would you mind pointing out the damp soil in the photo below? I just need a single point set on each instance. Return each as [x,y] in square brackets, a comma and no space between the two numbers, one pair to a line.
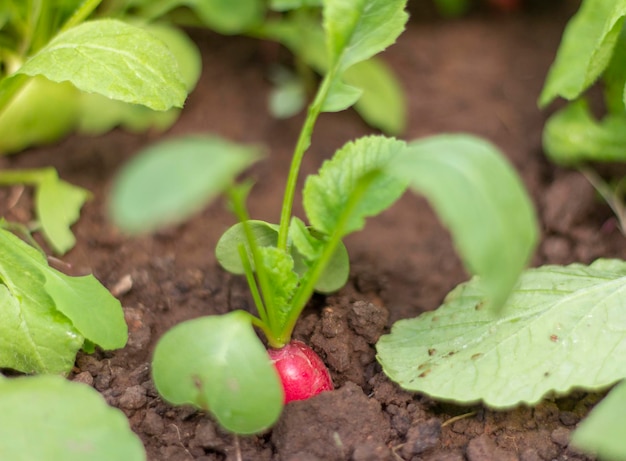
[480,74]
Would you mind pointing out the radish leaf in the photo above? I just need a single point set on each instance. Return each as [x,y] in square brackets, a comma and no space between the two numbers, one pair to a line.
[102,57]
[46,314]
[217,363]
[172,180]
[333,278]
[481,200]
[326,195]
[358,29]
[48,417]
[602,432]
[546,338]
[585,49]
[572,135]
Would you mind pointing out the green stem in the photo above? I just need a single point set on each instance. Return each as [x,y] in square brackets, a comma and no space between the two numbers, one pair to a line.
[31,177]
[252,283]
[237,199]
[82,13]
[304,141]
[306,289]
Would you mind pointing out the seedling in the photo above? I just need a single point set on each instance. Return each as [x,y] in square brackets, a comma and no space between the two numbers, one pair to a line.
[218,363]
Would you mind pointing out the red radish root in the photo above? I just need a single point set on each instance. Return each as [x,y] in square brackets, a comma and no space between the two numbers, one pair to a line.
[302,372]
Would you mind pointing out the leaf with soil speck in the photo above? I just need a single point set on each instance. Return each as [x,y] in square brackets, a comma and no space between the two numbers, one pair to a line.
[502,358]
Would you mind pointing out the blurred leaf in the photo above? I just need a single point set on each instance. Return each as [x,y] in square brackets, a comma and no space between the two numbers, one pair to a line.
[42,112]
[218,363]
[383,102]
[286,5]
[601,434]
[482,201]
[49,418]
[547,339]
[585,49]
[170,181]
[287,98]
[102,56]
[573,136]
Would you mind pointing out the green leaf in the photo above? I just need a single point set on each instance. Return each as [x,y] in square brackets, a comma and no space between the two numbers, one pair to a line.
[287,98]
[333,278]
[58,205]
[481,200]
[226,250]
[41,112]
[602,432]
[572,135]
[614,78]
[229,16]
[282,284]
[170,181]
[383,103]
[34,336]
[286,5]
[585,49]
[358,29]
[218,363]
[42,292]
[308,246]
[547,338]
[100,114]
[340,97]
[327,194]
[102,56]
[49,418]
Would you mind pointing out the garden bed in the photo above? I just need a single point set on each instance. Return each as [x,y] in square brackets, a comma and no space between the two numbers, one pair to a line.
[482,75]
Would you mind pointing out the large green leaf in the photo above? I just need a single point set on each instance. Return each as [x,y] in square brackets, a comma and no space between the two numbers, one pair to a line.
[548,337]
[358,29]
[572,136]
[49,418]
[99,114]
[170,181]
[481,200]
[102,56]
[585,49]
[46,314]
[602,432]
[327,194]
[218,363]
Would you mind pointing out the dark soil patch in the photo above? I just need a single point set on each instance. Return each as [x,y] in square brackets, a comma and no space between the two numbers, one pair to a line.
[480,75]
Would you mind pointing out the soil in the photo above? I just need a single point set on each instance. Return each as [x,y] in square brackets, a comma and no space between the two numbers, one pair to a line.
[480,74]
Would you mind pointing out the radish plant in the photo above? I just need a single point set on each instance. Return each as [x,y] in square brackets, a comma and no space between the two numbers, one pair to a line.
[218,363]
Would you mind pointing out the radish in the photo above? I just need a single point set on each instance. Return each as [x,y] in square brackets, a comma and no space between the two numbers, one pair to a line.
[302,372]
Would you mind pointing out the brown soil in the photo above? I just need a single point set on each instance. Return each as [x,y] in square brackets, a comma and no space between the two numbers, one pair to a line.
[482,75]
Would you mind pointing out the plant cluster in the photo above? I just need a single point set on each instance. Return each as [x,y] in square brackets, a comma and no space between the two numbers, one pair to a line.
[218,363]
[507,336]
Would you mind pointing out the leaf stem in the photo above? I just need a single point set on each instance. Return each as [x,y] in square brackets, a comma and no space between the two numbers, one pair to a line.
[304,141]
[252,283]
[306,289]
[82,13]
